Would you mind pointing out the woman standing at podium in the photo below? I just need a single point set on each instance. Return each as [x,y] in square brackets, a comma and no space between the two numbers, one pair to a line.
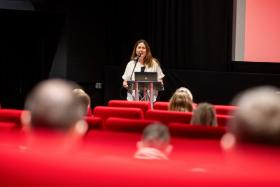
[141,60]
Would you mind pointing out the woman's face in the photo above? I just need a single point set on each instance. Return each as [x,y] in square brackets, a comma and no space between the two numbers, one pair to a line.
[141,49]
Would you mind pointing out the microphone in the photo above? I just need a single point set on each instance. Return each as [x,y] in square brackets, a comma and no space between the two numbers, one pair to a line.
[137,57]
[136,60]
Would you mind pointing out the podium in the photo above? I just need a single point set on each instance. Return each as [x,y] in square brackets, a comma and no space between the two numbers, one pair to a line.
[147,88]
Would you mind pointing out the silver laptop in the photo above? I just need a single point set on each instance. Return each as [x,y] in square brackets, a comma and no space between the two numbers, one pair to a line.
[145,76]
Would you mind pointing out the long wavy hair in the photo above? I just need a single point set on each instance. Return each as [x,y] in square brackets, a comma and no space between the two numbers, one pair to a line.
[149,59]
[181,102]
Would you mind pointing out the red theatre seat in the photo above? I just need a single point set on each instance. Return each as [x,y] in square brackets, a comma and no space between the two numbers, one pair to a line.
[35,169]
[220,109]
[8,127]
[167,117]
[93,122]
[143,105]
[225,109]
[124,124]
[161,105]
[10,115]
[223,120]
[196,131]
[105,112]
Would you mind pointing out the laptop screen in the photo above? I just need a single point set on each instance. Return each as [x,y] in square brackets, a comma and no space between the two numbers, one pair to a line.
[145,76]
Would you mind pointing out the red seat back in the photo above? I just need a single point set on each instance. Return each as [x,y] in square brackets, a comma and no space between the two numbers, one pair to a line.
[105,112]
[93,122]
[196,131]
[39,169]
[10,115]
[8,127]
[167,117]
[225,109]
[161,105]
[123,124]
[143,105]
[223,120]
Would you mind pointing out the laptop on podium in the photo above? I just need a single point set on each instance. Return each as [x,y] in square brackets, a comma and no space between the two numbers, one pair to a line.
[145,76]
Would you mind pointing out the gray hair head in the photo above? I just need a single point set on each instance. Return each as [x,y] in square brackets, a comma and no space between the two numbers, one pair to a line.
[257,118]
[156,135]
[53,106]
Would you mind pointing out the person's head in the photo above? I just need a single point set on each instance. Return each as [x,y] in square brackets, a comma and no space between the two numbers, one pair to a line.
[156,136]
[204,114]
[52,107]
[187,91]
[141,47]
[84,99]
[181,102]
[257,118]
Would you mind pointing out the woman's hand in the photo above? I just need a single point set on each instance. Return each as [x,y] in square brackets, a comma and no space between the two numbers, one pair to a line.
[125,85]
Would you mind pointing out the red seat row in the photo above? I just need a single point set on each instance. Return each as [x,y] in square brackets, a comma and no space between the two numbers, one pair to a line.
[176,129]
[163,116]
[145,105]
[201,166]
[10,118]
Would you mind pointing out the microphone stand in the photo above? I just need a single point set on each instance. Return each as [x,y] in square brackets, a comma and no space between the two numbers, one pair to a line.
[129,86]
[135,60]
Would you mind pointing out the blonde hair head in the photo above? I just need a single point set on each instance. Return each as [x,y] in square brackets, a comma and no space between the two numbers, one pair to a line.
[83,97]
[187,91]
[180,101]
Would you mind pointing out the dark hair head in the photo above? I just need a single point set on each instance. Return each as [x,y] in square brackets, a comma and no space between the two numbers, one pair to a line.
[204,114]
[148,60]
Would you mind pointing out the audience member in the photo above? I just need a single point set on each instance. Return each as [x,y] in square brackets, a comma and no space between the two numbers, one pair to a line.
[187,91]
[180,101]
[257,119]
[84,99]
[52,109]
[155,143]
[204,114]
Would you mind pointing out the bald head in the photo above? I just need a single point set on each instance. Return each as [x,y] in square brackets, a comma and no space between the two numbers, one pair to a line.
[53,106]
[257,118]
